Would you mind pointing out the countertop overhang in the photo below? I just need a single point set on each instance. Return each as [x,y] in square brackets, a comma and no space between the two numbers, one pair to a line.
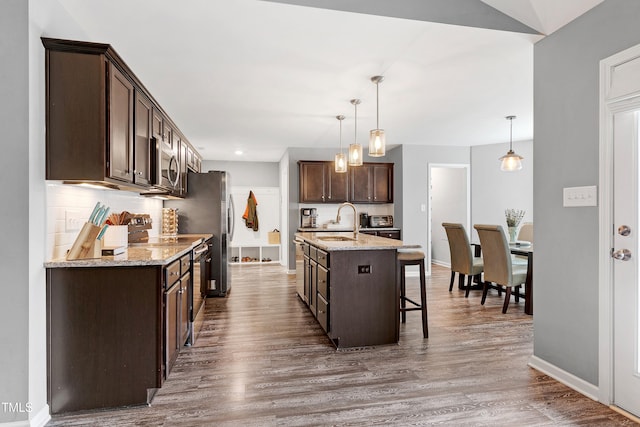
[161,250]
[363,242]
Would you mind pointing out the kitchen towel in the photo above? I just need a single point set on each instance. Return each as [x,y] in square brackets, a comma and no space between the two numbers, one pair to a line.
[250,215]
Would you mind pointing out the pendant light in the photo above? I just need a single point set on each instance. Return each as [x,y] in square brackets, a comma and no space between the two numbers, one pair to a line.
[511,161]
[341,160]
[355,149]
[376,136]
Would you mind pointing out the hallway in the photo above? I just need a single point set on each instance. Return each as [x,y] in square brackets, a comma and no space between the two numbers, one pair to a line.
[262,360]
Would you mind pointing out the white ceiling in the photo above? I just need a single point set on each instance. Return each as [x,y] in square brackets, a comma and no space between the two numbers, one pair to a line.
[260,76]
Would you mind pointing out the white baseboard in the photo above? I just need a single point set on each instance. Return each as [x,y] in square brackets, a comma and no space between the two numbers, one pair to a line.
[570,380]
[39,420]
[441,263]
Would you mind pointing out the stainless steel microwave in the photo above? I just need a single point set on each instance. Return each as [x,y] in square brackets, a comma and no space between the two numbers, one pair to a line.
[168,170]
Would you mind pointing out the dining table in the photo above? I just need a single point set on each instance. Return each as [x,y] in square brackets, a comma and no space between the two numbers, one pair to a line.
[522,249]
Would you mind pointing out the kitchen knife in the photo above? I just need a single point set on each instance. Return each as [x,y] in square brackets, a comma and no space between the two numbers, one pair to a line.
[92,217]
[103,216]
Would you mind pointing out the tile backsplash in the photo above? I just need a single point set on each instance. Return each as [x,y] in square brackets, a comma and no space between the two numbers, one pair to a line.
[78,200]
[327,212]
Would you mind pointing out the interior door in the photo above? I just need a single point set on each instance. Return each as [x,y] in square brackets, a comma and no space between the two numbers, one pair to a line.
[626,294]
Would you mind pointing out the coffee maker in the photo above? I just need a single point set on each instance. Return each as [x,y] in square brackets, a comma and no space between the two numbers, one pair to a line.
[308,217]
[364,220]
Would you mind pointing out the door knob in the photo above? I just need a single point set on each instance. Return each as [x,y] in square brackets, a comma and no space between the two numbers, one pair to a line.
[622,255]
[624,230]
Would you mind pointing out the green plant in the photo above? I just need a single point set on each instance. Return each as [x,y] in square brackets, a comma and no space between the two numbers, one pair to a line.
[514,216]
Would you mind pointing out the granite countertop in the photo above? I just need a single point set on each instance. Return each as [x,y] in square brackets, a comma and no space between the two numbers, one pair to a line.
[332,241]
[161,250]
[340,229]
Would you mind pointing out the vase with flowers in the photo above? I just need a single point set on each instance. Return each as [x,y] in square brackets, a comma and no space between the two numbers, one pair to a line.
[513,217]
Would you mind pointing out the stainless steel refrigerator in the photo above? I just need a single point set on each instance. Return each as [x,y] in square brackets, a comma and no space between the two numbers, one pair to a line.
[208,208]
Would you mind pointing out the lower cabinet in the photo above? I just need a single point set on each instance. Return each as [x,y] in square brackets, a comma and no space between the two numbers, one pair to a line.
[353,296]
[177,279]
[113,333]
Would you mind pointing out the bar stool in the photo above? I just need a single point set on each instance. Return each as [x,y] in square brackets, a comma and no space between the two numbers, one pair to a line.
[412,257]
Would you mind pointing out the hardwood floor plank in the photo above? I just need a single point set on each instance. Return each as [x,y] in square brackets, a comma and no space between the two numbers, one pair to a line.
[263,360]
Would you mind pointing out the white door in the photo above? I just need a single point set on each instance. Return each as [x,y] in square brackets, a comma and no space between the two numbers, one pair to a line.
[626,294]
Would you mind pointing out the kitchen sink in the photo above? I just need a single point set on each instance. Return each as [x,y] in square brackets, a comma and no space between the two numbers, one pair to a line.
[336,238]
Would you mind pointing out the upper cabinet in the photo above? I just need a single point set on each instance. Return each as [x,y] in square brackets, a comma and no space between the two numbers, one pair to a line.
[319,183]
[103,126]
[369,183]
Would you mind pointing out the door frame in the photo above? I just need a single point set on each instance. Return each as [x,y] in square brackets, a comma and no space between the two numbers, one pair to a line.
[611,102]
[467,168]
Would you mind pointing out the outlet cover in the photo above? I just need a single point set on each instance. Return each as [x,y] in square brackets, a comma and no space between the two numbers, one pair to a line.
[580,196]
[73,220]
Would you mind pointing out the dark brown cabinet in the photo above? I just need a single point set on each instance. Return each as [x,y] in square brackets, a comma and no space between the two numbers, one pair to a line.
[320,183]
[369,183]
[389,234]
[142,164]
[177,279]
[100,120]
[352,295]
[120,126]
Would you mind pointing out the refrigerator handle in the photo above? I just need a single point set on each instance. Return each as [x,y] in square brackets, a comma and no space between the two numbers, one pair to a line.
[231,217]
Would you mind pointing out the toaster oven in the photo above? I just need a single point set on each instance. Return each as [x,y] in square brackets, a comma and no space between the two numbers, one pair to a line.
[380,221]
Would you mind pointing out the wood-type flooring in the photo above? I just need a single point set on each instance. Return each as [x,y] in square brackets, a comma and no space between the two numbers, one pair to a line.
[262,360]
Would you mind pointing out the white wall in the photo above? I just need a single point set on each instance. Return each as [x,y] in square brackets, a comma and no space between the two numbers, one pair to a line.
[61,199]
[493,191]
[449,203]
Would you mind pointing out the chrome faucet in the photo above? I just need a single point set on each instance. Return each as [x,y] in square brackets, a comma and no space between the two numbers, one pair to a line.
[356,219]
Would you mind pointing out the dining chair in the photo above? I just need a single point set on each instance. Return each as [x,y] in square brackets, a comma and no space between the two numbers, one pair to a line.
[525,234]
[498,267]
[462,260]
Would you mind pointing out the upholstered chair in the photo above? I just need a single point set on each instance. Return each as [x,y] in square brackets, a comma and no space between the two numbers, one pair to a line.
[525,234]
[498,267]
[462,260]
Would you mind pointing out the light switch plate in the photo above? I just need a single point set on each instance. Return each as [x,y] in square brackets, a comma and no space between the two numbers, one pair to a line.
[580,196]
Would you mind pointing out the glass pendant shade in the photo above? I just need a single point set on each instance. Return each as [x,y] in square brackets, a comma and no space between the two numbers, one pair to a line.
[377,141]
[511,161]
[355,149]
[355,155]
[341,159]
[341,163]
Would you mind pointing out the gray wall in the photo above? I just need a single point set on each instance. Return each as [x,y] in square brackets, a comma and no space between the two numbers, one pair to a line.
[493,191]
[415,172]
[14,173]
[566,110]
[247,174]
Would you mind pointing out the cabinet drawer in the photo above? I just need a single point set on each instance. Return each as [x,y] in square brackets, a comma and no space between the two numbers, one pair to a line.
[306,249]
[323,258]
[172,274]
[323,313]
[390,234]
[185,264]
[323,282]
[313,253]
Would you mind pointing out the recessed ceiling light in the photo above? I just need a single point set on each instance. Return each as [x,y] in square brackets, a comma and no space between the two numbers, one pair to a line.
[239,152]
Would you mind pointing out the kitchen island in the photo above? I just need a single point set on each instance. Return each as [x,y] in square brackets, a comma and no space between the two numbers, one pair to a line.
[350,286]
[116,324]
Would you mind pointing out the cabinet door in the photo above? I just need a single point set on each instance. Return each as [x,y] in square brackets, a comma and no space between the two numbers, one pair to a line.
[313,288]
[120,126]
[142,150]
[360,184]
[184,153]
[337,185]
[382,183]
[312,177]
[171,309]
[307,278]
[183,324]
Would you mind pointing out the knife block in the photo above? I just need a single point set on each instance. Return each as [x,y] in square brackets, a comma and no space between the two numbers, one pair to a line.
[86,246]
